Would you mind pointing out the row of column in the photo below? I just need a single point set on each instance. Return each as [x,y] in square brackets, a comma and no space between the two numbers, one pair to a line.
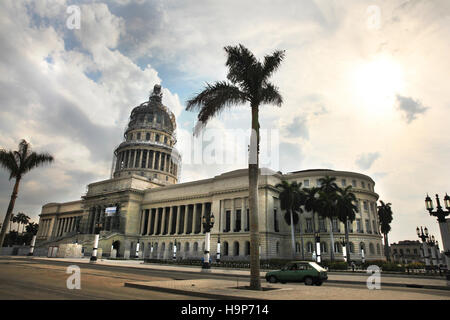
[182,219]
[146,159]
[65,225]
[44,228]
[97,216]
[234,218]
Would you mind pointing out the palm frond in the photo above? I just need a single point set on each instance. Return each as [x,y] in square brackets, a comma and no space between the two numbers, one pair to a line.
[242,64]
[271,95]
[213,100]
[272,62]
[8,161]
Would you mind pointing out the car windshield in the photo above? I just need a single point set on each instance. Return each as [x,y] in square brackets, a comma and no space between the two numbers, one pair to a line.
[316,266]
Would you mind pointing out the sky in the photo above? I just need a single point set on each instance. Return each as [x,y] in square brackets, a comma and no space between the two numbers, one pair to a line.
[364,83]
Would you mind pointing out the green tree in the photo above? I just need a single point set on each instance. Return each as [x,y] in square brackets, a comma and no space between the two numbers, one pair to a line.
[22,219]
[385,218]
[291,200]
[248,83]
[346,210]
[328,204]
[32,228]
[18,163]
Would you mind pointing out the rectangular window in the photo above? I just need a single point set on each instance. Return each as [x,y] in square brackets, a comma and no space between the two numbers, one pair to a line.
[363,184]
[358,226]
[247,227]
[366,206]
[275,220]
[238,220]
[138,136]
[344,182]
[227,221]
[138,155]
[335,223]
[368,228]
[354,183]
[306,183]
[318,183]
[144,158]
[374,227]
[147,136]
[309,226]
[322,227]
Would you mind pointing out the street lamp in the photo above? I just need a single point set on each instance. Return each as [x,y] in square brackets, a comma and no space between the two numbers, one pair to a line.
[208,223]
[432,243]
[218,249]
[98,227]
[317,240]
[136,255]
[344,249]
[423,235]
[174,257]
[443,224]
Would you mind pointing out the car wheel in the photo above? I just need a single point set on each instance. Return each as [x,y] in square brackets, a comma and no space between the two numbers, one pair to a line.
[309,281]
[273,279]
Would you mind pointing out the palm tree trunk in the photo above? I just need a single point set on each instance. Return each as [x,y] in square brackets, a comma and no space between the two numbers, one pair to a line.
[386,247]
[253,174]
[301,237]
[332,241]
[12,201]
[292,234]
[347,245]
[314,232]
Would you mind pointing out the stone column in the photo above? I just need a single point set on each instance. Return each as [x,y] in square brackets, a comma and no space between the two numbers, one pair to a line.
[169,229]
[153,160]
[141,153]
[142,221]
[177,223]
[194,219]
[186,218]
[201,216]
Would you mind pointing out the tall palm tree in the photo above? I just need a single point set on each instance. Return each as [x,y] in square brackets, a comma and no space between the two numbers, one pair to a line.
[11,221]
[385,218]
[22,219]
[346,211]
[248,82]
[291,200]
[18,163]
[328,204]
[312,204]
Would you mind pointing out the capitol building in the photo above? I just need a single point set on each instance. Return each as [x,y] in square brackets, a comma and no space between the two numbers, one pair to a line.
[144,204]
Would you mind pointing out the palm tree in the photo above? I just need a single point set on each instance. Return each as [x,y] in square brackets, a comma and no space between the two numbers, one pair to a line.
[385,218]
[22,219]
[312,204]
[11,220]
[346,211]
[32,228]
[248,82]
[328,204]
[291,200]
[18,163]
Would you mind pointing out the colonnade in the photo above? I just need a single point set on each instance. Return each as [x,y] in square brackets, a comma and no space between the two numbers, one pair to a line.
[146,159]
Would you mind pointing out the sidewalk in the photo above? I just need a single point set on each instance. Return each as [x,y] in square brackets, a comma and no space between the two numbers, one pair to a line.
[333,277]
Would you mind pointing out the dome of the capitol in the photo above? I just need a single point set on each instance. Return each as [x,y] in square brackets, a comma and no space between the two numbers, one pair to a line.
[148,149]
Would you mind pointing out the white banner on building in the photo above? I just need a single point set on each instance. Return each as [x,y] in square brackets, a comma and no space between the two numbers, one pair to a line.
[110,211]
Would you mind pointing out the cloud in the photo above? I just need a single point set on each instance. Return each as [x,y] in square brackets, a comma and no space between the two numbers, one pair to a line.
[366,160]
[298,128]
[411,107]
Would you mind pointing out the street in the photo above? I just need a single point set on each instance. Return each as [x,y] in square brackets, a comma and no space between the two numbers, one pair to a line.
[46,279]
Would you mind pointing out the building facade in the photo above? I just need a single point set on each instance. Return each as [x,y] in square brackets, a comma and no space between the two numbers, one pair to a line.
[144,203]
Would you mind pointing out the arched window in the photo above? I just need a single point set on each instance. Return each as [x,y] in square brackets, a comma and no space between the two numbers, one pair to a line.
[323,247]
[195,246]
[225,248]
[186,247]
[371,248]
[337,247]
[236,248]
[351,247]
[247,248]
[310,247]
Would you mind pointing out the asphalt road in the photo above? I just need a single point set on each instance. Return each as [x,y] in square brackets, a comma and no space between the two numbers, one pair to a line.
[44,279]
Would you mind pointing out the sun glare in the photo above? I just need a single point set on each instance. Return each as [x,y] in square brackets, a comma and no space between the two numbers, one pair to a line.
[377,82]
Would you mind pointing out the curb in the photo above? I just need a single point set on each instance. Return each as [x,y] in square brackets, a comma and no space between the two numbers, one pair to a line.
[190,293]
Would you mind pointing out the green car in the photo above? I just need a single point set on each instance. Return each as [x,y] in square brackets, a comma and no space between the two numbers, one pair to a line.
[299,271]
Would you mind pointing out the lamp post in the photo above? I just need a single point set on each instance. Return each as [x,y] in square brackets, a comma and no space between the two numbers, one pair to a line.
[431,242]
[98,227]
[218,249]
[423,235]
[174,256]
[344,249]
[317,240]
[33,242]
[208,223]
[136,255]
[441,215]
